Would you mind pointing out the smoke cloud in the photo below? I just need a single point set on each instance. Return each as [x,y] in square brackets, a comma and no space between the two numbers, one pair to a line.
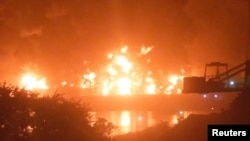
[221,29]
[56,37]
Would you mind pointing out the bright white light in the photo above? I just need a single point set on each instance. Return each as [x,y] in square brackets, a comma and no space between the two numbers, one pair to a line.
[215,96]
[64,83]
[204,96]
[125,118]
[231,83]
[181,112]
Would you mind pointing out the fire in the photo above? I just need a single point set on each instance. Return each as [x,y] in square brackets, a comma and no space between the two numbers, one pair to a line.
[173,80]
[175,85]
[88,80]
[64,83]
[122,76]
[123,63]
[30,82]
[124,49]
[124,86]
[151,89]
[146,50]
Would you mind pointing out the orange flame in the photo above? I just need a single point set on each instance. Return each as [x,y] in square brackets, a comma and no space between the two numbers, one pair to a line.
[123,78]
[30,82]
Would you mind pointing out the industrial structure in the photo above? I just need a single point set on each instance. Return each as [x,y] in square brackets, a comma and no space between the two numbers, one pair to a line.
[219,82]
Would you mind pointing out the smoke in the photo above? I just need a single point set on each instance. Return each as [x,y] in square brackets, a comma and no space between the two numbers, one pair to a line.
[221,32]
[56,37]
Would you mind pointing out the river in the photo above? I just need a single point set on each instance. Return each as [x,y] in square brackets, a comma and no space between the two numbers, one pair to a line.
[136,120]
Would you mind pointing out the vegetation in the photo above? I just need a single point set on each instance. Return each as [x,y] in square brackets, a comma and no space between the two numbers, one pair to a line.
[26,116]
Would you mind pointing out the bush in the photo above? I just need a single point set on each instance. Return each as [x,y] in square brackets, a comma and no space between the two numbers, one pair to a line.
[26,116]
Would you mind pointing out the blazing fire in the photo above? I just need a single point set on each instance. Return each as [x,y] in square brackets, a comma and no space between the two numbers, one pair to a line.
[30,82]
[122,77]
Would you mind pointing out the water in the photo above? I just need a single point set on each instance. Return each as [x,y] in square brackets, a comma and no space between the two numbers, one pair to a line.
[137,120]
[133,121]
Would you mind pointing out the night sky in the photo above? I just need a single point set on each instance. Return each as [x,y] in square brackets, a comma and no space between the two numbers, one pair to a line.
[55,37]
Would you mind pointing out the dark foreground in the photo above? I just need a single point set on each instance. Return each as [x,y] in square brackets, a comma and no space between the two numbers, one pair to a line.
[194,128]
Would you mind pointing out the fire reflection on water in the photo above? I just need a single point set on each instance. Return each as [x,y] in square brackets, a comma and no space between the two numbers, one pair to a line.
[133,121]
[125,121]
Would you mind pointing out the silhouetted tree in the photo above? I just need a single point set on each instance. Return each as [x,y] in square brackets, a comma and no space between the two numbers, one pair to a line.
[25,116]
[104,127]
